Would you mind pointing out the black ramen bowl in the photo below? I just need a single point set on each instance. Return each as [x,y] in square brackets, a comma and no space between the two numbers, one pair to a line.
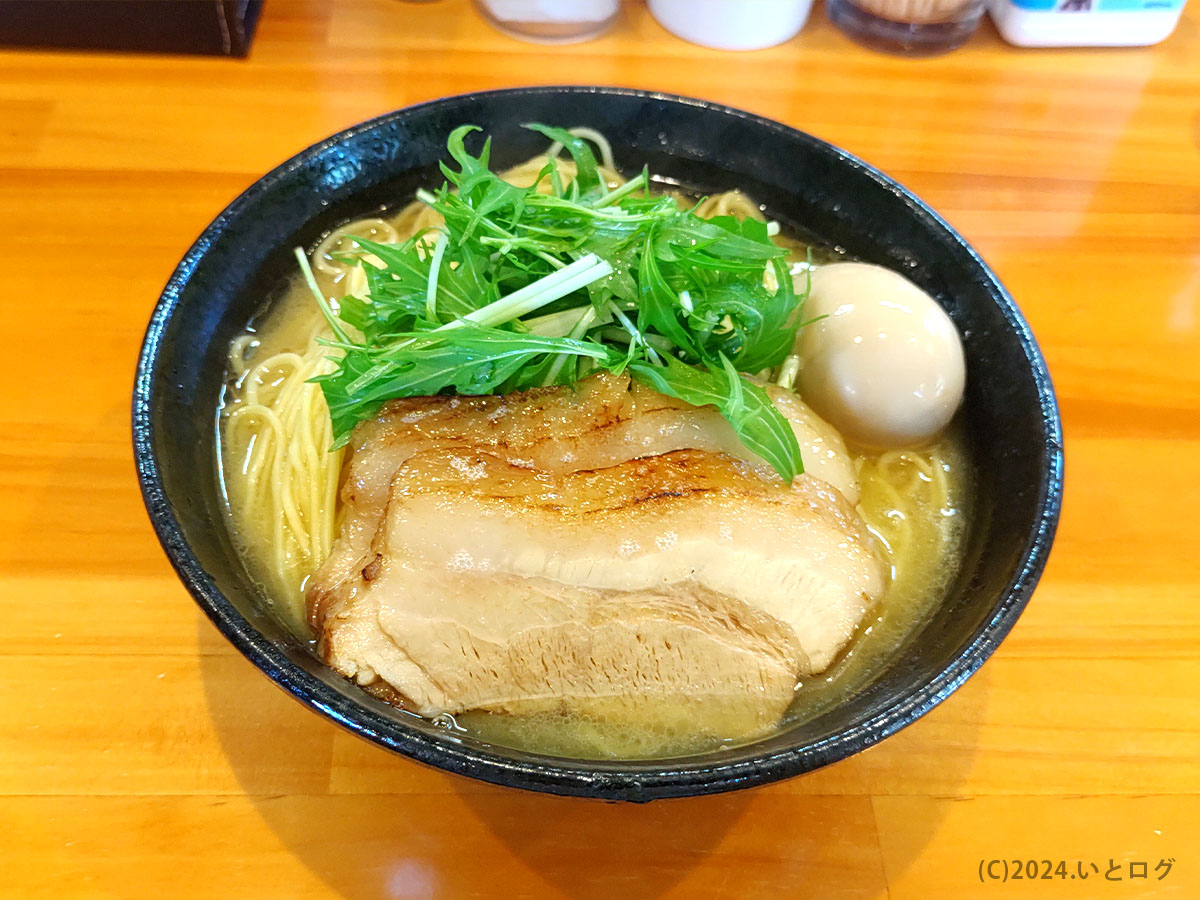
[1010,412]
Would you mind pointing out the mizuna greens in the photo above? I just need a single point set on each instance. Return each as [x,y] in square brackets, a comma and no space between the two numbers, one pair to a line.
[524,289]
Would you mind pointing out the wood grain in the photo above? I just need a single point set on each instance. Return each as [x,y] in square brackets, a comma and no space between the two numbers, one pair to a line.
[140,756]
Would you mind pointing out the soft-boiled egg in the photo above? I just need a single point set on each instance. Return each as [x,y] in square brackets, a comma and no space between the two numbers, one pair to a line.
[885,365]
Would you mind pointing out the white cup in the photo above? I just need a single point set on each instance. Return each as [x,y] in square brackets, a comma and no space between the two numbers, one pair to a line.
[732,24]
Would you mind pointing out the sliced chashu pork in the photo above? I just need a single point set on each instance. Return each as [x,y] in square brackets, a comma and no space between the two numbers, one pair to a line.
[602,420]
[686,577]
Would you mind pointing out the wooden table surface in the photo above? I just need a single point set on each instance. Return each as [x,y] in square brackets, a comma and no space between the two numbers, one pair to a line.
[141,756]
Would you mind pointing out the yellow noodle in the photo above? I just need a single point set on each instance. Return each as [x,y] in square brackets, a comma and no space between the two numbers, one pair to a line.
[414,217]
[280,475]
[237,353]
[341,242]
[592,136]
[730,203]
[906,496]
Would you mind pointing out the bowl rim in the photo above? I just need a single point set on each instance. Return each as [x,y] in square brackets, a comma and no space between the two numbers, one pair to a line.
[612,780]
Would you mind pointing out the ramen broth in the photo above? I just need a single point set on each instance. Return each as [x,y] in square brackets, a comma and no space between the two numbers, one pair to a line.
[915,502]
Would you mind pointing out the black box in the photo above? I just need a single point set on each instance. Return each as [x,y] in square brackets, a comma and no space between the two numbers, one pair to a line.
[221,27]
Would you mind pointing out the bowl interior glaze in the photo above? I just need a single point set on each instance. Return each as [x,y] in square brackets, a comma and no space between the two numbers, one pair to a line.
[1010,413]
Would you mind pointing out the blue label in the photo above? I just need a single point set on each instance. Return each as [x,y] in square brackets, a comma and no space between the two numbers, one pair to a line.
[1139,5]
[1090,6]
